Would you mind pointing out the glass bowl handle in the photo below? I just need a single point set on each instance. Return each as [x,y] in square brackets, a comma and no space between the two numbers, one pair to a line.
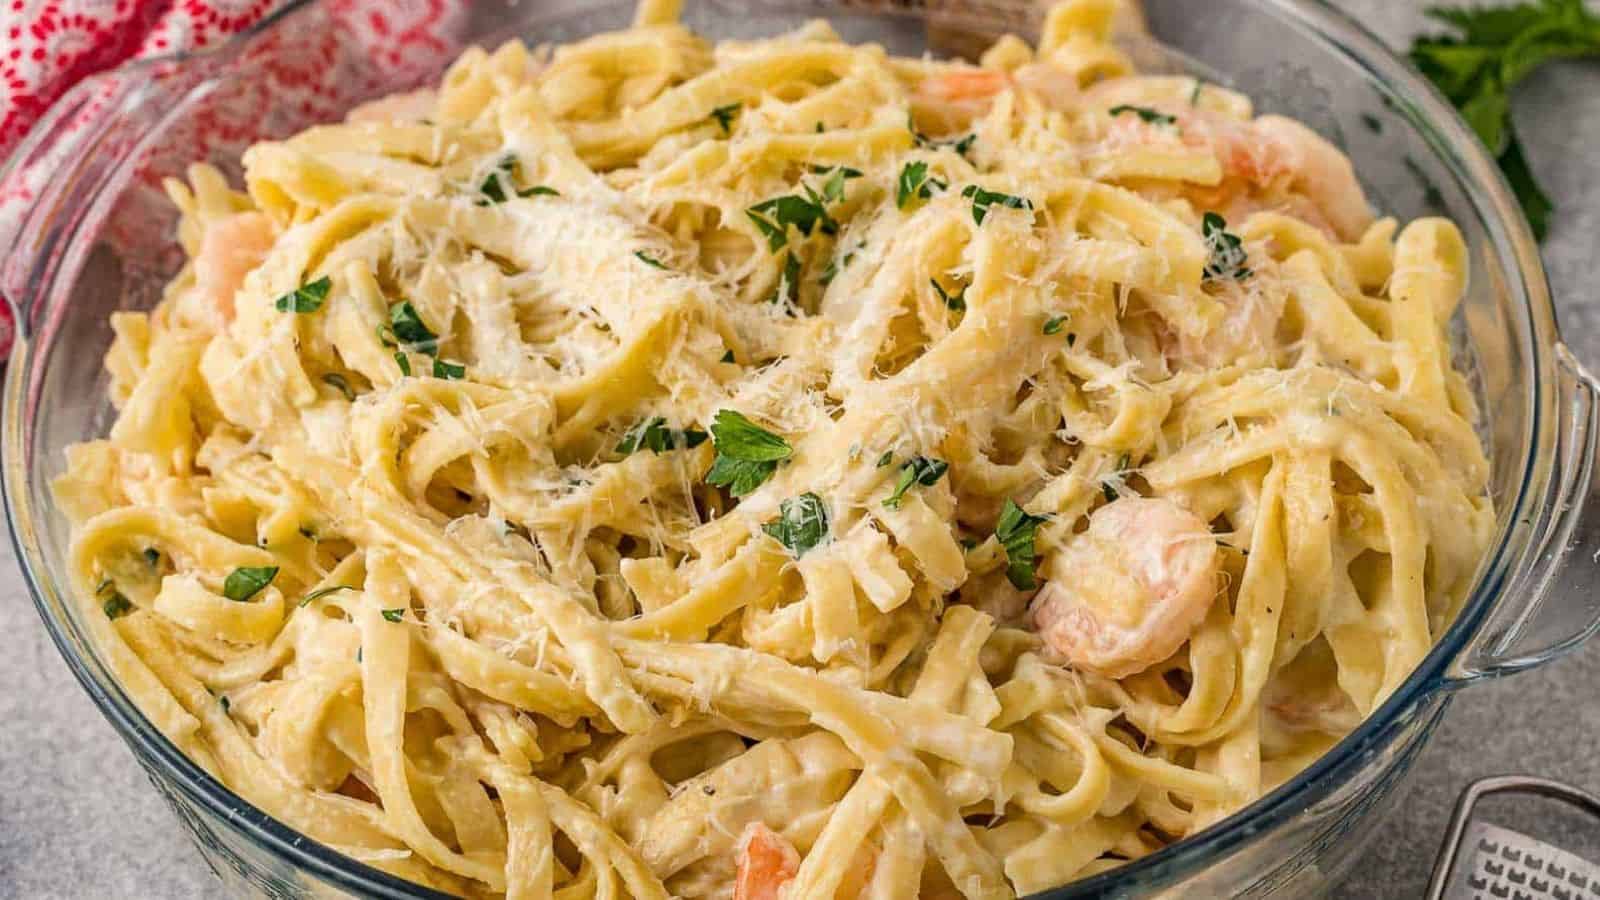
[1550,607]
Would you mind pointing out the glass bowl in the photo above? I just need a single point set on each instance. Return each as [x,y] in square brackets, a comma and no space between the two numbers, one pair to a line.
[95,236]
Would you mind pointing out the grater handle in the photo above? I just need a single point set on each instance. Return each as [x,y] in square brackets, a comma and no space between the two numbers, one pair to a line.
[1552,605]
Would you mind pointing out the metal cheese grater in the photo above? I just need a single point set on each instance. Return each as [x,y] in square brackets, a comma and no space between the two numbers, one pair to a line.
[1483,861]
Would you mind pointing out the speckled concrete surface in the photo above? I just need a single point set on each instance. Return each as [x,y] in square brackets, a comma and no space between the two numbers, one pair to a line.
[77,818]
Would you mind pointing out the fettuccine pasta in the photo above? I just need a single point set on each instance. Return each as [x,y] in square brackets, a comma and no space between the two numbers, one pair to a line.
[771,468]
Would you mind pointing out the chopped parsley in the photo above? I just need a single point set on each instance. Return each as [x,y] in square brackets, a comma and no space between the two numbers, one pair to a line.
[649,260]
[307,298]
[394,615]
[339,383]
[1151,116]
[788,289]
[956,302]
[539,190]
[247,581]
[403,362]
[962,145]
[917,470]
[724,116]
[152,557]
[801,525]
[500,183]
[886,458]
[836,264]
[1015,532]
[323,592]
[983,200]
[222,700]
[408,327]
[833,188]
[116,606]
[448,370]
[914,184]
[747,454]
[727,356]
[1227,256]
[806,213]
[653,434]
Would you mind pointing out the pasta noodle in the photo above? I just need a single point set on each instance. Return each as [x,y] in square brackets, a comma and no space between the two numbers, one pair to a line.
[654,468]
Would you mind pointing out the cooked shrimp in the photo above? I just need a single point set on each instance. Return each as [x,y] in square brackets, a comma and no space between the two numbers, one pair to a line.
[767,861]
[408,107]
[953,98]
[230,248]
[1125,594]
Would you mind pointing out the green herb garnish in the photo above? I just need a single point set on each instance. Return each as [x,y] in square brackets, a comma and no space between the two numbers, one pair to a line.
[954,302]
[653,434]
[1054,323]
[914,184]
[152,557]
[982,200]
[801,525]
[404,362]
[921,470]
[500,183]
[247,581]
[1226,251]
[1152,116]
[1487,51]
[885,459]
[323,592]
[408,328]
[339,383]
[448,371]
[788,289]
[747,454]
[1015,532]
[394,615]
[116,606]
[649,260]
[806,213]
[724,116]
[539,190]
[307,298]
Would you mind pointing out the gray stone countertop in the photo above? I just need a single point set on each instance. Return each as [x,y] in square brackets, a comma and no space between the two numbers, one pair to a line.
[78,820]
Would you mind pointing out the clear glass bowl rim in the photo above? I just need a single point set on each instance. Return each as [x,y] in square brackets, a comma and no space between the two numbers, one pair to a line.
[1450,139]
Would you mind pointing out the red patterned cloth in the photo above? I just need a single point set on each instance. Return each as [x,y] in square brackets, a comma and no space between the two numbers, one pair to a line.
[50,45]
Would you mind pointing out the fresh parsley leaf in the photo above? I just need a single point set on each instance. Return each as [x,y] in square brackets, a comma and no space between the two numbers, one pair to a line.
[247,581]
[788,289]
[409,329]
[340,383]
[774,217]
[914,184]
[500,182]
[116,606]
[747,454]
[1151,116]
[982,200]
[1054,323]
[727,356]
[649,260]
[152,557]
[539,190]
[954,302]
[961,145]
[403,361]
[833,188]
[885,459]
[921,470]
[801,525]
[1482,55]
[222,700]
[653,434]
[837,264]
[1015,531]
[724,116]
[448,371]
[1227,256]
[394,615]
[307,298]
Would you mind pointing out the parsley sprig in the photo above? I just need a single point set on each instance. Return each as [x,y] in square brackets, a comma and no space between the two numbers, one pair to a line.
[915,184]
[1015,531]
[747,454]
[1484,53]
[247,581]
[983,200]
